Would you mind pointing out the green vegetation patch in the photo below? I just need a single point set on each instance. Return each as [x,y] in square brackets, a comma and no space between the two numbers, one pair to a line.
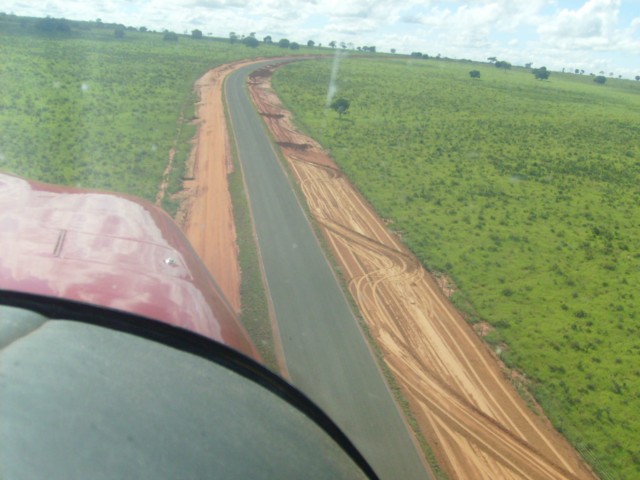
[526,193]
[84,106]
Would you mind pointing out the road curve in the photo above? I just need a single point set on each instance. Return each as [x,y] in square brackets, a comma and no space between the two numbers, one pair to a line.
[324,349]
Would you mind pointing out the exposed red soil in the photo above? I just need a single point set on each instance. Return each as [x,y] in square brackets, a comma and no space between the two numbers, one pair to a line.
[472,416]
[206,213]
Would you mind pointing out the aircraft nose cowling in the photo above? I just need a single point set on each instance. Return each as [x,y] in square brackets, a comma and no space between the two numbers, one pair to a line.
[109,250]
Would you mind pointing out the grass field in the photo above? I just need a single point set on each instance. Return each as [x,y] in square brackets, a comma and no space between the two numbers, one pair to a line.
[88,109]
[527,194]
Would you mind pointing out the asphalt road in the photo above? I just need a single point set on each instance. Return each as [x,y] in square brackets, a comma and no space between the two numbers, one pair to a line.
[324,348]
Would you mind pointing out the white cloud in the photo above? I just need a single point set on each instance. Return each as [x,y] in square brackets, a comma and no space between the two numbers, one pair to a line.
[592,26]
[596,32]
[377,10]
[472,24]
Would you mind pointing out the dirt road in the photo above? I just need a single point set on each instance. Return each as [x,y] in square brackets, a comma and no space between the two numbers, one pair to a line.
[472,417]
[206,215]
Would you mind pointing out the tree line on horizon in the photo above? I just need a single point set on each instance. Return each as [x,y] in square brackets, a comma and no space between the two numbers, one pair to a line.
[62,26]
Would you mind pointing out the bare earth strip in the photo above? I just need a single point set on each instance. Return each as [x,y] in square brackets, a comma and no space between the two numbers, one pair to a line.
[206,215]
[473,418]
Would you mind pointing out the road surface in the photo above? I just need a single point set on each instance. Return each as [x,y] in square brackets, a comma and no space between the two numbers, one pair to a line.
[324,349]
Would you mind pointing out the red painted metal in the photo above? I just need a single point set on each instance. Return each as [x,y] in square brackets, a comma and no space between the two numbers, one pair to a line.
[109,250]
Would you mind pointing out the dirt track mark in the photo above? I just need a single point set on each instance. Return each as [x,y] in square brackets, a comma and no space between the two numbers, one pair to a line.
[472,416]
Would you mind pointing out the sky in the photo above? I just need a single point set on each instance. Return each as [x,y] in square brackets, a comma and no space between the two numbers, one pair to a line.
[591,35]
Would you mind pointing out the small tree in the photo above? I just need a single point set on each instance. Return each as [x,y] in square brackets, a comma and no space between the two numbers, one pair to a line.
[170,36]
[196,34]
[541,73]
[119,31]
[233,38]
[416,54]
[284,43]
[294,46]
[600,79]
[502,64]
[51,25]
[311,43]
[492,59]
[251,42]
[332,44]
[637,78]
[268,40]
[340,105]
[393,50]
[474,74]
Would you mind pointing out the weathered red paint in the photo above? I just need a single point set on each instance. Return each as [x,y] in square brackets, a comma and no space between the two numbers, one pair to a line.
[109,250]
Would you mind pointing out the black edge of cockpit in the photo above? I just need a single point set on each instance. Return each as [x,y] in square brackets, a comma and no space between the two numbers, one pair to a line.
[184,340]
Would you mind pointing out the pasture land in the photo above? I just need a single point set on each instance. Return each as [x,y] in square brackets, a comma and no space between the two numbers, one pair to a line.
[86,108]
[527,194]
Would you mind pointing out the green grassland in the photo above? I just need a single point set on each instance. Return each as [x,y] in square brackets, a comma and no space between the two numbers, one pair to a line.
[88,109]
[526,193]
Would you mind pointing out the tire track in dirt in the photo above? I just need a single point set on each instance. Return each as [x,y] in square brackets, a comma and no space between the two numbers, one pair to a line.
[472,417]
